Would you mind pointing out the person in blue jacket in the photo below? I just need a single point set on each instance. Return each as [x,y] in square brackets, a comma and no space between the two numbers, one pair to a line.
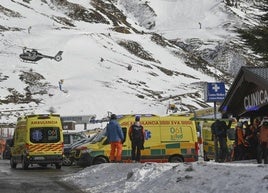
[115,137]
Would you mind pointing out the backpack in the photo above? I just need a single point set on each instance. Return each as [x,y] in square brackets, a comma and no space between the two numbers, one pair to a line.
[137,132]
[213,127]
[221,129]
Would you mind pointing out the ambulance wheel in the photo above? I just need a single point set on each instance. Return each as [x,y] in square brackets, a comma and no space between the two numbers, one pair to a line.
[13,164]
[100,160]
[176,159]
[24,164]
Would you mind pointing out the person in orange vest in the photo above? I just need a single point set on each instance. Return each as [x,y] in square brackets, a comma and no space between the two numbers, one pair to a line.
[263,143]
[239,142]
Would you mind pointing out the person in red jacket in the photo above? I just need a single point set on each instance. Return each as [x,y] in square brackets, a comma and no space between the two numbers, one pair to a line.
[137,136]
[251,137]
[263,143]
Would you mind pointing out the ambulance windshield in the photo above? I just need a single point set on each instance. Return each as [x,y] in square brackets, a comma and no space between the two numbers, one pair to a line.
[45,135]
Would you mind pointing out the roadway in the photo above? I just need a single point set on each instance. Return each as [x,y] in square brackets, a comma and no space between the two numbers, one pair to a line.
[35,179]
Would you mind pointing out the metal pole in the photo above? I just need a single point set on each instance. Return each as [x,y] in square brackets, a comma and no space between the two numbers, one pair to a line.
[215,111]
[216,154]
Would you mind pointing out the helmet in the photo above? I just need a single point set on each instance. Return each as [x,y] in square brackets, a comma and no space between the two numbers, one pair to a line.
[113,117]
[137,118]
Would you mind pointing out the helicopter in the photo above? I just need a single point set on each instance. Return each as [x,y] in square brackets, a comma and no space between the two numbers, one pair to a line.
[32,55]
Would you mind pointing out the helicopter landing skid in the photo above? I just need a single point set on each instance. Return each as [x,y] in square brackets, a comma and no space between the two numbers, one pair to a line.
[27,61]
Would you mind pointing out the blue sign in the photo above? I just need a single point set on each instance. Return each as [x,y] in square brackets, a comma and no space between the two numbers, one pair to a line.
[215,92]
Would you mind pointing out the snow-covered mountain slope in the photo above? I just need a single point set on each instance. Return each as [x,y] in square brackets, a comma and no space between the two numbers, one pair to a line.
[123,56]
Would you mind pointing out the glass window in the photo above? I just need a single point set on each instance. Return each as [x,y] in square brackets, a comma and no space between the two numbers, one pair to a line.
[45,135]
[77,137]
[66,139]
[99,136]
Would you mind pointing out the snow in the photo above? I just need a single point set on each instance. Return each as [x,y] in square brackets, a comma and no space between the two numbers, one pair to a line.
[181,19]
[87,80]
[196,177]
[95,87]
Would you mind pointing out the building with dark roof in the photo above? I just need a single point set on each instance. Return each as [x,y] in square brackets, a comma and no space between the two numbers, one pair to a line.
[248,95]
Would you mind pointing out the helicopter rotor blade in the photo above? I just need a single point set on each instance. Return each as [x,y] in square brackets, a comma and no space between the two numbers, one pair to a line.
[29,48]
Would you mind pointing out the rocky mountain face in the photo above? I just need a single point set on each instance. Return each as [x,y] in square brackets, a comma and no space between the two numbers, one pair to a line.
[221,61]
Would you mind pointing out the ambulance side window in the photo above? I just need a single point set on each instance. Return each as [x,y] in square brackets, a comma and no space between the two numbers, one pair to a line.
[125,133]
[19,136]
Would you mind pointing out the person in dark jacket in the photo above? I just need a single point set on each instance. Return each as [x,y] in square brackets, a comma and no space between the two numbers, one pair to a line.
[115,137]
[137,135]
[221,128]
[263,143]
[215,139]
[221,134]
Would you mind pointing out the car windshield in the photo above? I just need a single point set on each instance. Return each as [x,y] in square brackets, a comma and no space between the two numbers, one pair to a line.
[73,137]
[99,136]
[45,135]
[91,138]
[83,141]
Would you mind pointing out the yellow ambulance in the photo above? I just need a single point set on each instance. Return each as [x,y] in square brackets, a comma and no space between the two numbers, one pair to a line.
[171,138]
[38,139]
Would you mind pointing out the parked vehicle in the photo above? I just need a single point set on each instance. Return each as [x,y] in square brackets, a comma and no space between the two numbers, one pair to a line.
[70,138]
[170,138]
[70,152]
[38,139]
